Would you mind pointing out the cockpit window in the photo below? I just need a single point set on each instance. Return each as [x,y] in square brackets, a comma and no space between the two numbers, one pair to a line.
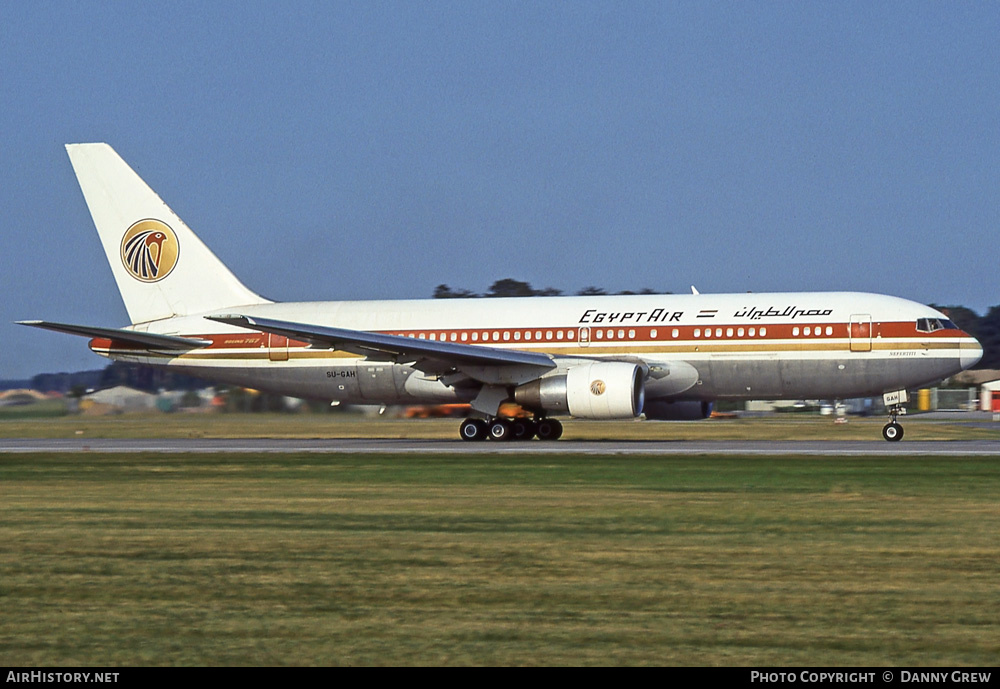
[930,325]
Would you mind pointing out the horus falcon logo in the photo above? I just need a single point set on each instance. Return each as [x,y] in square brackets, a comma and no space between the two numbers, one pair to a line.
[149,250]
[597,387]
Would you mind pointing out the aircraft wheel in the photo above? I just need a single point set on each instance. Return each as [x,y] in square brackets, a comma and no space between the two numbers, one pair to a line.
[892,432]
[499,429]
[522,429]
[473,429]
[549,429]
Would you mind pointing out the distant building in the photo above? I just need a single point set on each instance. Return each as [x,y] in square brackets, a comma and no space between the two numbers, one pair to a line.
[121,399]
[10,398]
[989,396]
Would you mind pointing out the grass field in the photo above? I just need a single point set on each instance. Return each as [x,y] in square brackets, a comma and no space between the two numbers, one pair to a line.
[320,560]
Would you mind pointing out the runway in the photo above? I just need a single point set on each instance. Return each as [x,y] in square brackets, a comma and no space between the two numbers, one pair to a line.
[457,447]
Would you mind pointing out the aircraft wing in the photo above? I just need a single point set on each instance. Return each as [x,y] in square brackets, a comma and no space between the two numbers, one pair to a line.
[132,337]
[480,363]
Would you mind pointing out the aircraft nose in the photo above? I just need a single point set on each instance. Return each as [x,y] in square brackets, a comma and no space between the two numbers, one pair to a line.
[970,352]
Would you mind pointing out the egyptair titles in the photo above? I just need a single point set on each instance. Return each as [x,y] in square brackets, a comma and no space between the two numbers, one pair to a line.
[654,316]
[593,316]
[792,312]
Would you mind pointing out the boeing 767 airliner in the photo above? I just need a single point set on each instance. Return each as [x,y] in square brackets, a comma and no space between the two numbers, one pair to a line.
[598,357]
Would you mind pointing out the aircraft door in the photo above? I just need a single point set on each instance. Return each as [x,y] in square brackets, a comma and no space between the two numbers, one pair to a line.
[861,333]
[584,338]
[277,347]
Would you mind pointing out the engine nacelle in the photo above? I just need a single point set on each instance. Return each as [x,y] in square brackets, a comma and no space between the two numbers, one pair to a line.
[591,390]
[659,410]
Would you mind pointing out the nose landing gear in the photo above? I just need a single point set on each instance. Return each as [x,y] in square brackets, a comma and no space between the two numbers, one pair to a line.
[892,431]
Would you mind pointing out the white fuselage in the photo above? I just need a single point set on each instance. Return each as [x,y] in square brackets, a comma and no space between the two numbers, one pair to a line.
[697,347]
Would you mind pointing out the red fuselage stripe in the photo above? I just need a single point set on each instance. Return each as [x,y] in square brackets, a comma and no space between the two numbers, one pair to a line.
[597,334]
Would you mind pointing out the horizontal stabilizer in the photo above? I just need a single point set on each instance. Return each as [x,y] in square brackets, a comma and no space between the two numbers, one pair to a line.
[150,340]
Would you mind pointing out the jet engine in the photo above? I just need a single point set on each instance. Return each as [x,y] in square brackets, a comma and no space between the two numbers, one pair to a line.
[661,410]
[591,390]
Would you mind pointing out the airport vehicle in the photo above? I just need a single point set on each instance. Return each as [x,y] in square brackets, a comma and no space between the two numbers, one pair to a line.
[595,357]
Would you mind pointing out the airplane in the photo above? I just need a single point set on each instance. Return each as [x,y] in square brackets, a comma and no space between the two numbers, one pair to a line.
[589,357]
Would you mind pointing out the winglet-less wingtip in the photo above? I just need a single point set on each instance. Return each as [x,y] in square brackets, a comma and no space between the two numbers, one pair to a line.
[142,339]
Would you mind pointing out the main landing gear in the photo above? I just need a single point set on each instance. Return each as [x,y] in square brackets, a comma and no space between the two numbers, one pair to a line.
[500,429]
[892,431]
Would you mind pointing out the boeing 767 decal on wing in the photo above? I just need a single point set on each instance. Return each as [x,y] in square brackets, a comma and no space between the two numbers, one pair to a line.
[599,357]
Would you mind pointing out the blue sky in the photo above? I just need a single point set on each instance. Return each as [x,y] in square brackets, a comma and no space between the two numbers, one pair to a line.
[377,149]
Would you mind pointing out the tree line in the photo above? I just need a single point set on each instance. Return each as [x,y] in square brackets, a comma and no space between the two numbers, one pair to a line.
[509,287]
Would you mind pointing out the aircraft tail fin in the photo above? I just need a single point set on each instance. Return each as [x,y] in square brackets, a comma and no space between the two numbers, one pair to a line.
[161,267]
